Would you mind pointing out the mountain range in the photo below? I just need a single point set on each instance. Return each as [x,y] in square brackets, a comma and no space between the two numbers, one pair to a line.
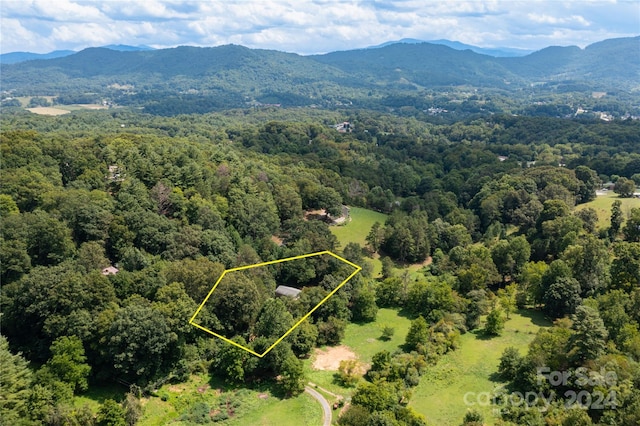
[456,45]
[234,74]
[16,57]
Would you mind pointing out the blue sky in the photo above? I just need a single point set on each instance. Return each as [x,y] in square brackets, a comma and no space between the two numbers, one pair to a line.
[310,26]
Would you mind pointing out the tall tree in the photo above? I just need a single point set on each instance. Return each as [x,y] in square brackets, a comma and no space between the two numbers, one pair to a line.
[631,230]
[589,182]
[15,385]
[589,262]
[589,339]
[68,362]
[418,335]
[625,187]
[273,320]
[139,343]
[562,297]
[616,219]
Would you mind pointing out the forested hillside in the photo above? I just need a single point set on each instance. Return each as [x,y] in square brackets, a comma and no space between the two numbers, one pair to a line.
[172,202]
[420,76]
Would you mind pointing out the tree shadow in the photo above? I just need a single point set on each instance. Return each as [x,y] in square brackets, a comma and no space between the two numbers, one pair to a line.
[480,334]
[103,390]
[537,317]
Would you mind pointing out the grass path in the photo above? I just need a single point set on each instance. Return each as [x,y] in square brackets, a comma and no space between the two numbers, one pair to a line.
[440,396]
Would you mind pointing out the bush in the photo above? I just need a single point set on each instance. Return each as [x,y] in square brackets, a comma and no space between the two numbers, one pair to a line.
[495,322]
[510,363]
[387,332]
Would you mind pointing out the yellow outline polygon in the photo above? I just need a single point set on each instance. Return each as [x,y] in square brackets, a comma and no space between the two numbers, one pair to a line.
[240,268]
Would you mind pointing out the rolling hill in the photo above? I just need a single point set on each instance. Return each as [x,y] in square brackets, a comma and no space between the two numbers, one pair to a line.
[233,75]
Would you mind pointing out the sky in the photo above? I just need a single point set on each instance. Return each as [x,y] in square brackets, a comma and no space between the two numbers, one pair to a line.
[310,26]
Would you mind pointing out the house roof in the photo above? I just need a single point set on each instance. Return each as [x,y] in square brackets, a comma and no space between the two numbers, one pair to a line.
[110,270]
[283,290]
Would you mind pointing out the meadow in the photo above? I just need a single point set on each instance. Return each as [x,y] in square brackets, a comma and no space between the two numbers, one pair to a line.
[364,340]
[186,403]
[357,229]
[471,370]
[602,205]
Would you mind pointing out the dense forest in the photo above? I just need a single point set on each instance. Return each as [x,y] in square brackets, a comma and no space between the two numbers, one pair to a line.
[171,202]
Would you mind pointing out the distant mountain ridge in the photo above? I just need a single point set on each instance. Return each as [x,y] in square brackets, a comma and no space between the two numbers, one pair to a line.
[456,45]
[233,76]
[17,57]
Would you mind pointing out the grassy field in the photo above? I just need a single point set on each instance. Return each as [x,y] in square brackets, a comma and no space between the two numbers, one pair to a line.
[471,368]
[364,340]
[97,395]
[357,229]
[602,205]
[249,406]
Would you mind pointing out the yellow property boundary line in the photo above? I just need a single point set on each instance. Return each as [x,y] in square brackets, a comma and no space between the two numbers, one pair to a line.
[272,262]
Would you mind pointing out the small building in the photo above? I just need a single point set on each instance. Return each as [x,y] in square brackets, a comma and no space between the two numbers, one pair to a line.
[344,127]
[285,291]
[110,270]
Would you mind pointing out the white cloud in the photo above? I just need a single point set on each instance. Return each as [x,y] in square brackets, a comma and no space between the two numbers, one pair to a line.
[311,26]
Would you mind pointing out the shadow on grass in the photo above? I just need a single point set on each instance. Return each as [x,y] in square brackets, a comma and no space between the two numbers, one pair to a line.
[101,391]
[264,385]
[536,317]
[480,334]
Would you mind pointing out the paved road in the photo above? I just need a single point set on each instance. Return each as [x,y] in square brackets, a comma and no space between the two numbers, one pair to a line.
[326,408]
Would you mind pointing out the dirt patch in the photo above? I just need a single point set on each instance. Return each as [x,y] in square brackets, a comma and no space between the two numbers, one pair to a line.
[176,389]
[330,359]
[93,106]
[48,111]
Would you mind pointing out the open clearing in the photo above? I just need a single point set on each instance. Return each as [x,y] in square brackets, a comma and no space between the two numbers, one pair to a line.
[470,370]
[48,111]
[364,341]
[330,358]
[251,406]
[602,205]
[357,229]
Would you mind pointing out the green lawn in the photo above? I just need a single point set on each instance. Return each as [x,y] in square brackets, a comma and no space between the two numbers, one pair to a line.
[602,205]
[96,395]
[357,229]
[250,406]
[440,394]
[364,340]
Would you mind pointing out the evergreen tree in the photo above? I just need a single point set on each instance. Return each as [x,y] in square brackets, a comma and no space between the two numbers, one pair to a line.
[589,339]
[15,385]
[418,334]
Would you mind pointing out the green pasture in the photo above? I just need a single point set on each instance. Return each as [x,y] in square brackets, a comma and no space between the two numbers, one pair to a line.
[357,229]
[364,340]
[96,395]
[471,370]
[602,205]
[249,406]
